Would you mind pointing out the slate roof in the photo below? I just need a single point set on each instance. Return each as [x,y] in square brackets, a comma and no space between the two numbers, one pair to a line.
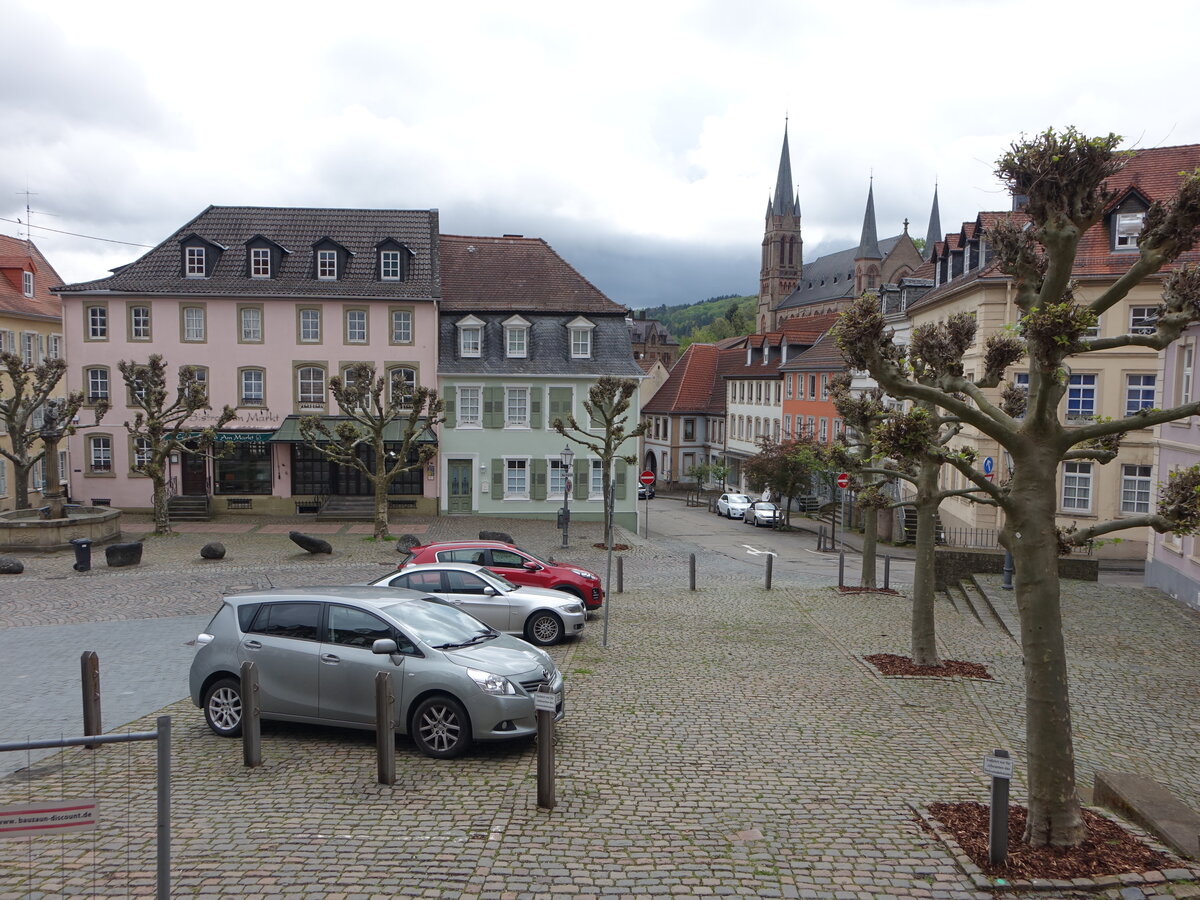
[868,244]
[689,387]
[823,356]
[517,274]
[838,265]
[16,258]
[160,270]
[641,329]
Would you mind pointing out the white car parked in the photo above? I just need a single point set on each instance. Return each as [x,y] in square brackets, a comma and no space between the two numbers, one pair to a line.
[732,506]
[762,512]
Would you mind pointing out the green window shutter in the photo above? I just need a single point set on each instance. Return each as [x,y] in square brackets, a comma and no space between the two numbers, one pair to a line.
[497,479]
[560,404]
[448,406]
[493,407]
[583,470]
[538,486]
[535,407]
[620,478]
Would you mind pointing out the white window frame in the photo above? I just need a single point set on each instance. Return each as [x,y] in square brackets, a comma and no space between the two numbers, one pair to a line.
[516,398]
[29,348]
[310,325]
[462,420]
[516,341]
[401,326]
[251,331]
[580,331]
[304,387]
[54,346]
[194,259]
[516,488]
[1137,491]
[356,326]
[27,283]
[823,430]
[260,262]
[194,329]
[98,384]
[100,454]
[1076,487]
[141,452]
[557,478]
[406,400]
[327,265]
[389,265]
[245,398]
[97,323]
[1185,364]
[1080,389]
[1143,319]
[1136,398]
[140,323]
[595,479]
[470,338]
[1127,228]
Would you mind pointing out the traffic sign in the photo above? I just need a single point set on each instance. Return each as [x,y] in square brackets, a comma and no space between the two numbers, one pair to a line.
[989,466]
[843,480]
[646,477]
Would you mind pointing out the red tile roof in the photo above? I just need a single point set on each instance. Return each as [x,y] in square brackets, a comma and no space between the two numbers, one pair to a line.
[689,387]
[807,329]
[514,273]
[17,257]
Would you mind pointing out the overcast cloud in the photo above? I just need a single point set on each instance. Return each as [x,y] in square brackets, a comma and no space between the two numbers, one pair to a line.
[640,139]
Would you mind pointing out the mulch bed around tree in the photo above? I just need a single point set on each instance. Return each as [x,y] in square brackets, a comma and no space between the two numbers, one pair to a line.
[847,589]
[618,547]
[891,664]
[1108,850]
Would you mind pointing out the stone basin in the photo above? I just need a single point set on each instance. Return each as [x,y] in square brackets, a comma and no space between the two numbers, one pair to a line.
[26,529]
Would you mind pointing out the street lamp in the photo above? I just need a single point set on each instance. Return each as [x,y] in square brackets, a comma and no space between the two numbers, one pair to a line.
[566,458]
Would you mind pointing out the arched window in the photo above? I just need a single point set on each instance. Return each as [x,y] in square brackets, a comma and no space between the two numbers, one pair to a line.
[403,384]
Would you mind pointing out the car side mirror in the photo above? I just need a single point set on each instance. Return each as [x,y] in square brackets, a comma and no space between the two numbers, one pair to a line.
[384,645]
[532,566]
[490,591]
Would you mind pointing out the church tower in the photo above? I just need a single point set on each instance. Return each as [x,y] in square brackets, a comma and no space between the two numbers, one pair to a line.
[782,246]
[935,227]
[868,258]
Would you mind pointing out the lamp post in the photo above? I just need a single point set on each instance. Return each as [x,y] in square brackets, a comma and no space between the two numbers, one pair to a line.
[566,458]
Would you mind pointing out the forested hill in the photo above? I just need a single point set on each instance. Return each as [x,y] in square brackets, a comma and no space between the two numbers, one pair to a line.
[707,320]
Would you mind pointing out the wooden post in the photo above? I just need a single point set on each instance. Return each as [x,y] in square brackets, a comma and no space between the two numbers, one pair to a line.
[385,728]
[770,559]
[89,669]
[545,749]
[692,571]
[251,717]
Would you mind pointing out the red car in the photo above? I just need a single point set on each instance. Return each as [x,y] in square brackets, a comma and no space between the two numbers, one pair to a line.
[517,565]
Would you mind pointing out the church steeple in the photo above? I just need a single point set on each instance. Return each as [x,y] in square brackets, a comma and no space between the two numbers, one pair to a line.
[935,226]
[782,246]
[868,244]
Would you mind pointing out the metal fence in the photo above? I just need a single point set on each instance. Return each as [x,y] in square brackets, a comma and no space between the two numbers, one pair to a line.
[987,539]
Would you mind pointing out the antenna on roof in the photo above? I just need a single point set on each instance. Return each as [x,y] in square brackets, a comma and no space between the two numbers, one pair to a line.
[28,212]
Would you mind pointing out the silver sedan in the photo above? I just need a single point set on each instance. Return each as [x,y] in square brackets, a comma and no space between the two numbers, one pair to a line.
[540,615]
[762,513]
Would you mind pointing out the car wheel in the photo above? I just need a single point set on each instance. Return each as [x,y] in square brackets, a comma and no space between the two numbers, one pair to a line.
[543,629]
[223,707]
[440,728]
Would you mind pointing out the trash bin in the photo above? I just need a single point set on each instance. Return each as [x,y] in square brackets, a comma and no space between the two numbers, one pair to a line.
[83,554]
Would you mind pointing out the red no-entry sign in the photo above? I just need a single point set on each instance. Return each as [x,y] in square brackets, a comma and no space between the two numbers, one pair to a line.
[646,477]
[843,480]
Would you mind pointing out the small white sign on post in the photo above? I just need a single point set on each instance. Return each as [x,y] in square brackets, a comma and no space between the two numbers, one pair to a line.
[998,767]
[52,817]
[544,701]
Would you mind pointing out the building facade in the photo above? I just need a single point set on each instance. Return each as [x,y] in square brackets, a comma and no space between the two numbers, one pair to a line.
[267,304]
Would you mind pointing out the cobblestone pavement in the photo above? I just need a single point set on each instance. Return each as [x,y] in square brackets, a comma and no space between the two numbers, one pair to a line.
[728,741]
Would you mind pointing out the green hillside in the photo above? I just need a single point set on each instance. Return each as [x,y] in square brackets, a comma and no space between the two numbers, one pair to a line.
[707,320]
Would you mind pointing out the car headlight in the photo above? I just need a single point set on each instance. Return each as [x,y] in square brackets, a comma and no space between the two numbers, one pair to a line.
[491,684]
[573,608]
[588,575]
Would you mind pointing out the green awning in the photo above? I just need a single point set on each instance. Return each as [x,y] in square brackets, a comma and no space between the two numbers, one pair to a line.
[289,430]
[229,437]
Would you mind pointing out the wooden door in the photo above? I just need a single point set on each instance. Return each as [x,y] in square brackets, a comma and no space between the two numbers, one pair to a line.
[458,474]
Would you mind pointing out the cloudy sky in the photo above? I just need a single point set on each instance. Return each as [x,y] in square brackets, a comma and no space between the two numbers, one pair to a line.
[641,140]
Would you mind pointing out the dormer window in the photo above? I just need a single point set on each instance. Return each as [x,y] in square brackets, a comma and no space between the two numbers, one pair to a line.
[329,259]
[263,257]
[581,337]
[194,262]
[27,283]
[1127,228]
[392,260]
[516,337]
[470,337]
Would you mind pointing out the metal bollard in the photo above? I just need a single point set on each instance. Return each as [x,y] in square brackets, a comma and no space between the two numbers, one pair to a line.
[89,669]
[545,747]
[887,572]
[385,728]
[998,814]
[770,560]
[692,571]
[841,568]
[1007,584]
[620,574]
[251,717]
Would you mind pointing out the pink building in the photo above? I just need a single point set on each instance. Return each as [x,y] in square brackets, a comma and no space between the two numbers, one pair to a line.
[268,304]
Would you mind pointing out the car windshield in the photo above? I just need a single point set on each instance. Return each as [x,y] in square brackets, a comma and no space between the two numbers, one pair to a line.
[439,625]
[499,579]
[765,506]
[738,498]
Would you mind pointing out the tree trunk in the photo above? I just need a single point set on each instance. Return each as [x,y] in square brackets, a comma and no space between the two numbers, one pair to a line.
[870,530]
[162,517]
[381,505]
[1054,812]
[924,632]
[21,486]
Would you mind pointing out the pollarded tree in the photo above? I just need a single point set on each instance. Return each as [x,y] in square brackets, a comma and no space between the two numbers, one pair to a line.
[159,427]
[372,405]
[1063,175]
[786,466]
[27,388]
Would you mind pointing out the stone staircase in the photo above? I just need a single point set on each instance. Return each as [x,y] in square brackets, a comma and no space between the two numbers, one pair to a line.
[182,508]
[343,507]
[984,600]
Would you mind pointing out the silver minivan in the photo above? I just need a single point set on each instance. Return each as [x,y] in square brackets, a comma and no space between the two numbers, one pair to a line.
[317,650]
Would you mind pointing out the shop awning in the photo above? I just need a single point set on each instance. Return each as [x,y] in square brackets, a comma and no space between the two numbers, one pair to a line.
[230,437]
[289,431]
